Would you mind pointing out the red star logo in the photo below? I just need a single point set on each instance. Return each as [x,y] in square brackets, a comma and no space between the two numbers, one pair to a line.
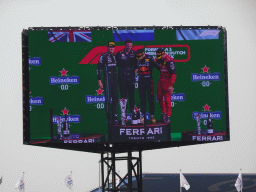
[205,69]
[99,91]
[63,72]
[136,109]
[65,111]
[206,107]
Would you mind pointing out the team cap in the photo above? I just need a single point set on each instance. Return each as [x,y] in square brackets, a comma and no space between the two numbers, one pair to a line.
[139,53]
[111,44]
[159,53]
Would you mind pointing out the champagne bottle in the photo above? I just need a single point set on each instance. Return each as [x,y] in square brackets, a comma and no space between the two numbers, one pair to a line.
[139,116]
[134,116]
[65,128]
[59,122]
[209,125]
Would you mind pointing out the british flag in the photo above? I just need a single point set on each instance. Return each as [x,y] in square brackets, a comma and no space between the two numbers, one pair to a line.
[70,36]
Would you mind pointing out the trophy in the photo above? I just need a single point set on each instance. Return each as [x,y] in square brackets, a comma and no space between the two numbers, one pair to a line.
[66,127]
[198,124]
[59,134]
[123,103]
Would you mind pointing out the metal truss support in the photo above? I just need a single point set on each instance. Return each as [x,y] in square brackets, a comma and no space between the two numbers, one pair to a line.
[134,166]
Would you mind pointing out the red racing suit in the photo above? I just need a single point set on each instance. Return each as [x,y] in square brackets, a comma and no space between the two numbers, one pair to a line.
[166,80]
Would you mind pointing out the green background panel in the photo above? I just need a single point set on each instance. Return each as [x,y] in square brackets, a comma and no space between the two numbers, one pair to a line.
[59,55]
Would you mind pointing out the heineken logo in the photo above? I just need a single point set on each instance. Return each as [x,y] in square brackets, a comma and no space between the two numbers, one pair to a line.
[70,119]
[89,99]
[204,115]
[205,77]
[53,80]
[178,97]
[34,61]
[63,80]
[36,101]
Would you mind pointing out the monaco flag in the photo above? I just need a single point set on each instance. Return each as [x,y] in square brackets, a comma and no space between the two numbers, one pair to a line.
[183,182]
[68,181]
[239,182]
[20,184]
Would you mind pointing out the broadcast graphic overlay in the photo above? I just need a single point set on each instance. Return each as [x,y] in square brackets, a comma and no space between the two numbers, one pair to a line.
[151,87]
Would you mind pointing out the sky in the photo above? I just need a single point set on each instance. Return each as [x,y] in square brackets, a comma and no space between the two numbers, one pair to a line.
[46,168]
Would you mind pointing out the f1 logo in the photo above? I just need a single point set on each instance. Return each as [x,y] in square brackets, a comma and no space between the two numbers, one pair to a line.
[210,32]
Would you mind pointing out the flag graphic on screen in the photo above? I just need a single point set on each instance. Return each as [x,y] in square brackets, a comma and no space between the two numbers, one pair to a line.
[82,36]
[197,34]
[134,35]
[69,36]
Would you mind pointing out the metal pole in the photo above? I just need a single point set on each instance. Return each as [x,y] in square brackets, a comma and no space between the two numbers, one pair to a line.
[180,184]
[108,169]
[99,175]
[241,181]
[130,171]
[140,172]
[102,173]
[23,182]
[113,170]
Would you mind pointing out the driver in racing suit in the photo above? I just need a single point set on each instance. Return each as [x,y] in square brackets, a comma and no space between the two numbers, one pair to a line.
[107,63]
[145,64]
[165,84]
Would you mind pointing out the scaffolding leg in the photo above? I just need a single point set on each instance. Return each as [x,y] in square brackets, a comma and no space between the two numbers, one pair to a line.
[126,183]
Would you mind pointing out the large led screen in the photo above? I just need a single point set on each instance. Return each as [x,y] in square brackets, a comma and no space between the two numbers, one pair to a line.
[126,85]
